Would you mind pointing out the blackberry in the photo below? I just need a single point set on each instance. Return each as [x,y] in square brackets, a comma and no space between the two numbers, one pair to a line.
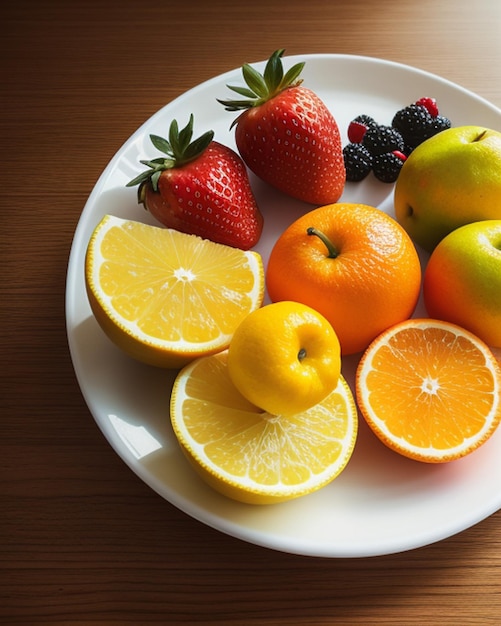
[381,139]
[440,123]
[413,123]
[366,120]
[416,124]
[386,167]
[357,161]
[359,126]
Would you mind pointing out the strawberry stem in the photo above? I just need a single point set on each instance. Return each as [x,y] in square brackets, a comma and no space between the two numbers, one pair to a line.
[331,248]
[263,87]
[179,150]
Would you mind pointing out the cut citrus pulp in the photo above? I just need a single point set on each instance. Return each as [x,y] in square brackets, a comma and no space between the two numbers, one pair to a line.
[250,455]
[430,390]
[166,297]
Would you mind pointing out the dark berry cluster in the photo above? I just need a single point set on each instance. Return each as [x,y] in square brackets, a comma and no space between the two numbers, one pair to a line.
[418,122]
[373,148]
[383,149]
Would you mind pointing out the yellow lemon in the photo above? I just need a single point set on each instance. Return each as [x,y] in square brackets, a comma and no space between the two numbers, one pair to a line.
[284,357]
[166,297]
[250,455]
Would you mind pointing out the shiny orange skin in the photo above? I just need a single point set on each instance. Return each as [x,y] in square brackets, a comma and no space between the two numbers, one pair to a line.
[373,283]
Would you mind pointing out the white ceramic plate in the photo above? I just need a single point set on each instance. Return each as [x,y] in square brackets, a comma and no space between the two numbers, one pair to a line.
[382,503]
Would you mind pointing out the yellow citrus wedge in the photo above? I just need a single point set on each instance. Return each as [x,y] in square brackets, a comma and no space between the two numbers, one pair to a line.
[166,297]
[430,390]
[250,455]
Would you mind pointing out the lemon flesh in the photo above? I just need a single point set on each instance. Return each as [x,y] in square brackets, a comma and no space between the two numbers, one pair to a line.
[250,455]
[166,297]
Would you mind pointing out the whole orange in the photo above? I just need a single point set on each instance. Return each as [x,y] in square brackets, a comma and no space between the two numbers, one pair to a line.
[354,264]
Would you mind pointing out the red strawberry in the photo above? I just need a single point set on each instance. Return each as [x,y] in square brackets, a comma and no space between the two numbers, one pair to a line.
[286,135]
[201,188]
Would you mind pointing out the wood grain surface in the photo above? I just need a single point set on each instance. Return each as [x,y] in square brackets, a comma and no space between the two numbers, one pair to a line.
[82,539]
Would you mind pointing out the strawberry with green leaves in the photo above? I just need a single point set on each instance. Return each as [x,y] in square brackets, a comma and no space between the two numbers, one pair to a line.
[201,187]
[286,135]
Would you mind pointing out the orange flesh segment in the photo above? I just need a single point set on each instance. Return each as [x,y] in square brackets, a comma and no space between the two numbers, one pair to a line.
[432,405]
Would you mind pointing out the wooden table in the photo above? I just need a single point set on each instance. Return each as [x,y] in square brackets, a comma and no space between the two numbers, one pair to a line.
[83,540]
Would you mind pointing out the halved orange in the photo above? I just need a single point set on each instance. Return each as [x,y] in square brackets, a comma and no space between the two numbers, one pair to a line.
[166,297]
[430,390]
[250,455]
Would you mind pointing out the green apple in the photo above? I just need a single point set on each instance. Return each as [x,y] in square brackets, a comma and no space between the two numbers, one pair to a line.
[462,280]
[449,180]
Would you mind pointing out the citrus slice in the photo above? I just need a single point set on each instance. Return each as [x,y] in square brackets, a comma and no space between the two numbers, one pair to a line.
[430,390]
[250,455]
[166,297]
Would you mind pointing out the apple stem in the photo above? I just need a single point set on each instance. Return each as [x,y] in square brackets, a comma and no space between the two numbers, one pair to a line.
[333,253]
[301,354]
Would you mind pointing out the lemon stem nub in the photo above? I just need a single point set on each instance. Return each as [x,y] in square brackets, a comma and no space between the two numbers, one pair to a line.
[301,354]
[333,252]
